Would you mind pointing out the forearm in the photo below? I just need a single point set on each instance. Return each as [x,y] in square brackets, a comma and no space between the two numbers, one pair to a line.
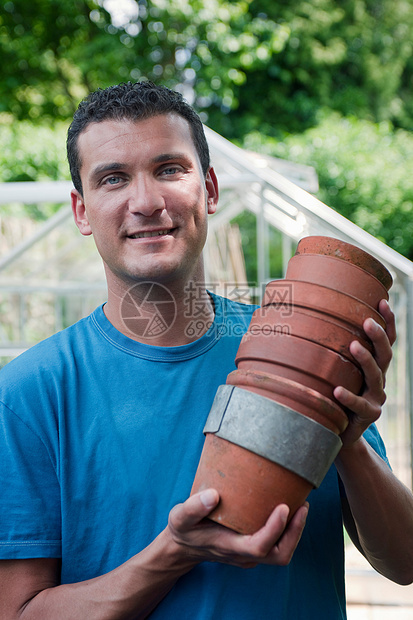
[382,509]
[129,592]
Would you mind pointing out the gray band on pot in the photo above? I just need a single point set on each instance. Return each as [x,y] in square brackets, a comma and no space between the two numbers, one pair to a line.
[273,431]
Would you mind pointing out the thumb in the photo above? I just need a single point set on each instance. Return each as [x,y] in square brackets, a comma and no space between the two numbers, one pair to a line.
[209,498]
[184,516]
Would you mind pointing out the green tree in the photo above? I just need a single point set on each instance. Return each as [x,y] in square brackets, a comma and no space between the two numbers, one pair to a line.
[47,49]
[273,68]
[363,170]
[353,57]
[273,64]
[55,51]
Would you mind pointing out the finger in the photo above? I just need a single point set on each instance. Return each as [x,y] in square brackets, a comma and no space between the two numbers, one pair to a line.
[276,541]
[389,317]
[361,413]
[185,516]
[250,549]
[364,411]
[260,543]
[282,553]
[373,367]
[373,373]
[381,343]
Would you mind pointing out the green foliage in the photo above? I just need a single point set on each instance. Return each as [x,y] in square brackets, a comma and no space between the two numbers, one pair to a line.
[270,66]
[32,153]
[37,42]
[37,153]
[55,51]
[364,173]
[353,57]
[272,63]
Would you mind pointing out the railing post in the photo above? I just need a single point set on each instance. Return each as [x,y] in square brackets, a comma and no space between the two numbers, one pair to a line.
[263,271]
[410,367]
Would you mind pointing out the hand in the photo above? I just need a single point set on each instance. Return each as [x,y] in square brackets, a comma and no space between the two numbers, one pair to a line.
[366,408]
[204,540]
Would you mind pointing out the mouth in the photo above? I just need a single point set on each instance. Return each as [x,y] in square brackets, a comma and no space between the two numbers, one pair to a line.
[155,233]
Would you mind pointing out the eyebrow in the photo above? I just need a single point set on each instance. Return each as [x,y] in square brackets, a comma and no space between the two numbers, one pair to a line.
[168,156]
[111,167]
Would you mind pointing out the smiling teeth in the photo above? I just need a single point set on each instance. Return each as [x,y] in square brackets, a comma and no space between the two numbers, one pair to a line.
[158,233]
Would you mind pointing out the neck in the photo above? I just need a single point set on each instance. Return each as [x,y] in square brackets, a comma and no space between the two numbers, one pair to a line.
[161,315]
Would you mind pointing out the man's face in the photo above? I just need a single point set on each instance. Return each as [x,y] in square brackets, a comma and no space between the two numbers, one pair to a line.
[145,198]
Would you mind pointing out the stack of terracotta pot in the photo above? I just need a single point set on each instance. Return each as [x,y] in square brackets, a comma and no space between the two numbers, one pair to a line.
[273,431]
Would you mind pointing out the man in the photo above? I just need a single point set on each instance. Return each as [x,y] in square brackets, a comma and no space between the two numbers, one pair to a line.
[101,425]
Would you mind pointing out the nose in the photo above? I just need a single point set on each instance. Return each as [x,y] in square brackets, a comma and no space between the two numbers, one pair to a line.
[145,198]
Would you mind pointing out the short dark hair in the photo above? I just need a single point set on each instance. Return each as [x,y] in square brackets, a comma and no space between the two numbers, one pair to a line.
[131,101]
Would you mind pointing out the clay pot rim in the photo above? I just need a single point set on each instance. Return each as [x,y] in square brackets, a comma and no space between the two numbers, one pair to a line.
[359,274]
[291,389]
[317,244]
[348,331]
[356,306]
[293,355]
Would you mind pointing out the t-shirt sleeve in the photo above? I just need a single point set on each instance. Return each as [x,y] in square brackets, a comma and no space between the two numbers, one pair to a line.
[373,437]
[30,521]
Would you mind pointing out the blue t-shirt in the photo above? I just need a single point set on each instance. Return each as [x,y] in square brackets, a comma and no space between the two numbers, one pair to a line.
[100,436]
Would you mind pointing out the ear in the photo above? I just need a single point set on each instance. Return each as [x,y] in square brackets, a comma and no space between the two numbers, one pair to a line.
[79,213]
[211,184]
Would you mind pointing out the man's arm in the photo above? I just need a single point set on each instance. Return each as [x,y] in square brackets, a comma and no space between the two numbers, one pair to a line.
[30,589]
[378,512]
[378,508]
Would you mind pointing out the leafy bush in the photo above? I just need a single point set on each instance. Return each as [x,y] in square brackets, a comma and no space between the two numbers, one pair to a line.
[364,172]
[33,153]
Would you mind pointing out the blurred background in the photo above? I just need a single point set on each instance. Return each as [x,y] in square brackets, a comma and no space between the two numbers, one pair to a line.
[322,83]
[320,92]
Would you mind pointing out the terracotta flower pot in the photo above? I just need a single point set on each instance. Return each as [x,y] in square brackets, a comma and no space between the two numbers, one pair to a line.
[274,428]
[337,274]
[300,360]
[329,246]
[294,395]
[306,323]
[250,486]
[249,483]
[350,311]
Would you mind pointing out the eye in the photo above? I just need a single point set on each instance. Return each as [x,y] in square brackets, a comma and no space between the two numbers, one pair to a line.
[112,180]
[170,170]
